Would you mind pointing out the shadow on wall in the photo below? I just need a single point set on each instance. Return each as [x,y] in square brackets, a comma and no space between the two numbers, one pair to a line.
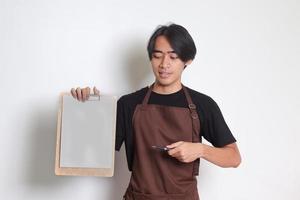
[121,177]
[137,71]
[42,142]
[40,174]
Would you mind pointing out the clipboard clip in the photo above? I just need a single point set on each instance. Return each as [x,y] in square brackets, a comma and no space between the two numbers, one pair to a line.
[94,97]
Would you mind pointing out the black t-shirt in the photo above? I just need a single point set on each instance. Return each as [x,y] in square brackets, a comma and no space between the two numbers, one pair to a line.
[212,124]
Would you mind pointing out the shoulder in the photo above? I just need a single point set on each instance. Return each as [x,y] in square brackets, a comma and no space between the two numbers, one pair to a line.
[133,98]
[201,99]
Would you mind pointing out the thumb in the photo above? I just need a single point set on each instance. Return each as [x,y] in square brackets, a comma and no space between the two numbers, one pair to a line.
[96,91]
[176,144]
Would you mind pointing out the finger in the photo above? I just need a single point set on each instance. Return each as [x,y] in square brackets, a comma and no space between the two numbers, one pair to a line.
[96,91]
[73,92]
[83,92]
[79,95]
[179,156]
[176,144]
[184,160]
[174,152]
[189,159]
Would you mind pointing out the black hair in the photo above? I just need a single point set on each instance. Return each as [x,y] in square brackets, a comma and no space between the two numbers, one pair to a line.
[179,39]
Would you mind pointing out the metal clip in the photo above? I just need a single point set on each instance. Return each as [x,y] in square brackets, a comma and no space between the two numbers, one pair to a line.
[192,106]
[94,97]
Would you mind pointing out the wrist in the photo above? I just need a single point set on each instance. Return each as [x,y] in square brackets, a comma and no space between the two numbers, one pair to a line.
[202,150]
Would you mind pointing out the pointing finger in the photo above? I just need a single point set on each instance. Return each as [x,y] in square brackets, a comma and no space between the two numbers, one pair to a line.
[176,144]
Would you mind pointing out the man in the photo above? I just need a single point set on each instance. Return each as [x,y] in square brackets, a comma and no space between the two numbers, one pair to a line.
[162,125]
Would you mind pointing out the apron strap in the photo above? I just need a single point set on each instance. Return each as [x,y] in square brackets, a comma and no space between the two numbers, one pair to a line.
[146,99]
[196,126]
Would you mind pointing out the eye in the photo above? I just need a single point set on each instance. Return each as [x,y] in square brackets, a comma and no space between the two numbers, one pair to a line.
[173,56]
[156,55]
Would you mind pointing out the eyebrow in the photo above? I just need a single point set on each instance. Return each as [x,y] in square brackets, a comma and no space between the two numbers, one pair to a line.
[158,51]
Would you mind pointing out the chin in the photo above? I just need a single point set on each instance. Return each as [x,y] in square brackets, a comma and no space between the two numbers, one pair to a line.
[164,82]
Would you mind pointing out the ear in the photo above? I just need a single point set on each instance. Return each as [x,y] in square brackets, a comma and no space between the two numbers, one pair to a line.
[188,62]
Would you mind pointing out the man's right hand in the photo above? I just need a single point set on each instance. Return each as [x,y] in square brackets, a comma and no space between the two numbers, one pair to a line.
[83,94]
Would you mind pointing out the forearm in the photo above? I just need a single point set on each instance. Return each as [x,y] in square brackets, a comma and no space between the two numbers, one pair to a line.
[227,156]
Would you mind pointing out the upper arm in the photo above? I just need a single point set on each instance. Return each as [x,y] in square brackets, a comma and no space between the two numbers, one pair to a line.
[232,146]
[215,128]
[120,125]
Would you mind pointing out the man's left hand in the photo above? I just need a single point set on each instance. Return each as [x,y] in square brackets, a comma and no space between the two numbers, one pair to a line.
[185,151]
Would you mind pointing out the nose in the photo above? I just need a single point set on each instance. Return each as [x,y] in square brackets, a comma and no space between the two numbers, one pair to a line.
[165,62]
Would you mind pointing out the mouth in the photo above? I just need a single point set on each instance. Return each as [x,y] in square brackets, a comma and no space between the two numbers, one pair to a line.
[164,74]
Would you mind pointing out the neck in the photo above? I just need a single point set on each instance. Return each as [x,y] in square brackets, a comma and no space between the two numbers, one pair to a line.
[166,89]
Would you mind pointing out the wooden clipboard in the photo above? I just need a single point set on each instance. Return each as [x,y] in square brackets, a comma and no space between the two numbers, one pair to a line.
[86,136]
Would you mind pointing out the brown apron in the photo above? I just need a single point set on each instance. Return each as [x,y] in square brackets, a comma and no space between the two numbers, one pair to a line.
[155,174]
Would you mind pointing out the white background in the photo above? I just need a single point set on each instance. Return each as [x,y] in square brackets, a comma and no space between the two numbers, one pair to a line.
[247,61]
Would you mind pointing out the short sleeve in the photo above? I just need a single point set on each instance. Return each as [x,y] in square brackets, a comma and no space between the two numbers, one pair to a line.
[215,129]
[120,125]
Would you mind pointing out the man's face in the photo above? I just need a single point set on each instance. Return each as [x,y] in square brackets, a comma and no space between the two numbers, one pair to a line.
[166,65]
